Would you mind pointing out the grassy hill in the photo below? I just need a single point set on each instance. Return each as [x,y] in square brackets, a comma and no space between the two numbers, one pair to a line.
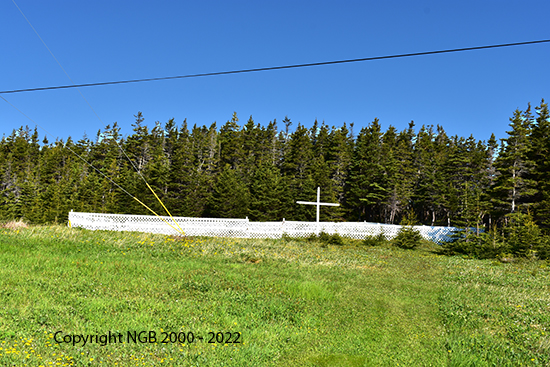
[261,303]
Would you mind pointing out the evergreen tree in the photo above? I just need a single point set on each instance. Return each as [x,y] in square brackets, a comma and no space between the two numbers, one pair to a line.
[465,167]
[522,235]
[512,188]
[58,183]
[366,185]
[339,153]
[231,143]
[137,145]
[31,207]
[253,148]
[180,170]
[492,149]
[107,156]
[157,170]
[266,193]
[399,170]
[16,189]
[321,171]
[229,197]
[297,171]
[201,178]
[441,190]
[539,154]
[271,143]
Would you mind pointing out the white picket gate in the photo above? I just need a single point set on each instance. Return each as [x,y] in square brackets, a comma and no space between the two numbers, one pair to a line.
[243,228]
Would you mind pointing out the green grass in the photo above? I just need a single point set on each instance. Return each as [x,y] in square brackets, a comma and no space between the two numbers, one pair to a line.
[295,303]
[498,315]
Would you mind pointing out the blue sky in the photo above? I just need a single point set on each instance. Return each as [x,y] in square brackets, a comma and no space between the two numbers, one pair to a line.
[473,92]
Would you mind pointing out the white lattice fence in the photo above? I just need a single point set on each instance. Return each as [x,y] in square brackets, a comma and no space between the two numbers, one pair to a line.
[243,228]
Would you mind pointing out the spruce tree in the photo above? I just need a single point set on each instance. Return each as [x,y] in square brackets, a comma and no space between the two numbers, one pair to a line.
[230,195]
[266,193]
[254,148]
[339,153]
[231,143]
[157,170]
[540,157]
[137,145]
[58,182]
[321,171]
[367,189]
[180,157]
[512,187]
[399,170]
[203,144]
[297,171]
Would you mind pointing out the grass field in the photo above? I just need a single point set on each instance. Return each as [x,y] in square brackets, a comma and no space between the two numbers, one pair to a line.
[268,303]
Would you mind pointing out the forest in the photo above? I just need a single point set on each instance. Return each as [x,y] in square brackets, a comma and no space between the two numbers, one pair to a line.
[259,172]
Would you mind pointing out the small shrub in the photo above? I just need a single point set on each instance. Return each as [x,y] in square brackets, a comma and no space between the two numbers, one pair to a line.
[519,238]
[522,234]
[407,238]
[312,238]
[286,238]
[372,241]
[331,239]
[323,238]
[491,245]
[542,248]
[464,241]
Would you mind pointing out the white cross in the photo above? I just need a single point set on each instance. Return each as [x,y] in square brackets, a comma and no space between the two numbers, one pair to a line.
[318,203]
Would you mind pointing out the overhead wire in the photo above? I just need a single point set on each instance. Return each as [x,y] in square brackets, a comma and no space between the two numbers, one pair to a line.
[270,68]
[99,118]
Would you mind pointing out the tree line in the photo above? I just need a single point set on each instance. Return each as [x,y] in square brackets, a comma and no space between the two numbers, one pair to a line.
[260,172]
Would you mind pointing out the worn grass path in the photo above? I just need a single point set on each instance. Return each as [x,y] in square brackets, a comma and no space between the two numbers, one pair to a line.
[294,303]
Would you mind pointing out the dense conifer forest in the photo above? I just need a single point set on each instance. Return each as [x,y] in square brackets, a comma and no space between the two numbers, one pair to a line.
[238,170]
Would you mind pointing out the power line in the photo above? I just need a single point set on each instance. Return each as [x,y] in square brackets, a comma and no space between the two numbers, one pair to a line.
[295,66]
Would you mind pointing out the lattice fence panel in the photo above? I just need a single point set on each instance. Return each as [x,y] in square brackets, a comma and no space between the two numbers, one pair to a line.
[243,228]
